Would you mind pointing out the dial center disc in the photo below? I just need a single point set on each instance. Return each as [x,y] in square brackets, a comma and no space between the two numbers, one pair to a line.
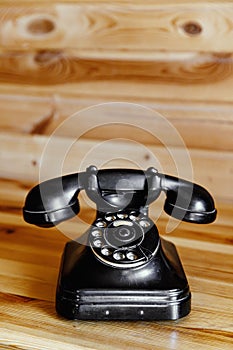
[123,233]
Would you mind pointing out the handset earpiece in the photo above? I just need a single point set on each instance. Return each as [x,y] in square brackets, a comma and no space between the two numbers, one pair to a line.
[187,201]
[53,201]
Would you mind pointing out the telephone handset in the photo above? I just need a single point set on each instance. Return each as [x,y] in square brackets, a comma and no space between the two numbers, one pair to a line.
[55,200]
[124,270]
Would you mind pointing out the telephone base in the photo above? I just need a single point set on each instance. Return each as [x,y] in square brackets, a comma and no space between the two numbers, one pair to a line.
[124,305]
[90,290]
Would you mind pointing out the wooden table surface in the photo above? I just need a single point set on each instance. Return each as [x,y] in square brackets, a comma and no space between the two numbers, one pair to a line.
[29,263]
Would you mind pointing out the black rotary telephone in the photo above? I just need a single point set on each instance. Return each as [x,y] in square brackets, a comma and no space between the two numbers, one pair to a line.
[122,269]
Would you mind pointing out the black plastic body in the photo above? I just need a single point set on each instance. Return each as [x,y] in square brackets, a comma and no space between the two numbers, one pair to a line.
[88,289]
[122,269]
[55,200]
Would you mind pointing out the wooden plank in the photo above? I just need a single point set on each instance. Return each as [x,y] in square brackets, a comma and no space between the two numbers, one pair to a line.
[186,75]
[131,91]
[121,2]
[53,67]
[112,27]
[24,115]
[49,331]
[107,65]
[151,70]
[200,125]
[21,157]
[12,194]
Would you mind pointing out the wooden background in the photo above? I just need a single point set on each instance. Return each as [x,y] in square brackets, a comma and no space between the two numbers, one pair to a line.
[58,57]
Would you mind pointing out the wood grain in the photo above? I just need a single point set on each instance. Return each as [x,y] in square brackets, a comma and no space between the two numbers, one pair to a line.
[24,115]
[120,2]
[52,67]
[199,125]
[50,331]
[187,54]
[131,91]
[21,160]
[141,92]
[111,27]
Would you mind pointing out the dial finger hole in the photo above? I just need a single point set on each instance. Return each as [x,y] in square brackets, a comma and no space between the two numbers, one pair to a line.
[96,233]
[101,224]
[118,256]
[97,243]
[131,256]
[110,217]
[106,251]
[122,215]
